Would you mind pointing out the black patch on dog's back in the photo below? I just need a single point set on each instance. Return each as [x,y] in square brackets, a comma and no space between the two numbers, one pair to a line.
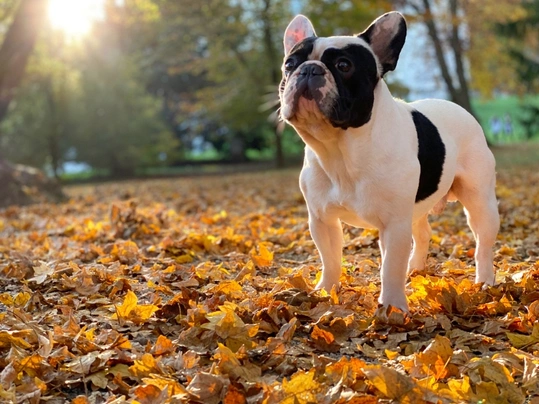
[431,155]
[356,90]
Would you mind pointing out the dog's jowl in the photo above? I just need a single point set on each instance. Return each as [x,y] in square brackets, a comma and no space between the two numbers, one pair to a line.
[374,161]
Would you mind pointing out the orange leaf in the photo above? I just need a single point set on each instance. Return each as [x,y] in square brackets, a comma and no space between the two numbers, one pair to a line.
[263,258]
[163,346]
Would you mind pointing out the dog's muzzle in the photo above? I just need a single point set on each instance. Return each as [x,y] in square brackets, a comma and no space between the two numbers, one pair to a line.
[309,82]
[311,79]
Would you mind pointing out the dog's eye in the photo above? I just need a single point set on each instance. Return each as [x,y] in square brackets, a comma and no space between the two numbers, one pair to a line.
[343,65]
[289,65]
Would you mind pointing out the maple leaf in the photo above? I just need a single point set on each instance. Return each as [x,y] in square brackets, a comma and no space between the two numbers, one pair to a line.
[163,346]
[522,341]
[145,366]
[42,272]
[244,317]
[230,364]
[229,326]
[207,388]
[301,389]
[132,311]
[262,258]
[394,385]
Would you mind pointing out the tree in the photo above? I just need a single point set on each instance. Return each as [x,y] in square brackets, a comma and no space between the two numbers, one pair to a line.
[119,125]
[17,46]
[519,35]
[36,130]
[467,52]
[445,27]
[232,60]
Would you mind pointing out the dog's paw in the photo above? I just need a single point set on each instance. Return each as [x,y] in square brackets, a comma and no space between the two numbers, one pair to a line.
[399,302]
[327,286]
[489,280]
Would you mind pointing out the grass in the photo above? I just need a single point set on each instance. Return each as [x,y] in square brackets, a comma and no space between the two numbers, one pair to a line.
[500,106]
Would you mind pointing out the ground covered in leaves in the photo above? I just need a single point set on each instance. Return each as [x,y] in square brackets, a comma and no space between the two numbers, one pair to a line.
[200,290]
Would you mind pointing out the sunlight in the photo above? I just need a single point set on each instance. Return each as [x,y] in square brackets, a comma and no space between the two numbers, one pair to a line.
[75,17]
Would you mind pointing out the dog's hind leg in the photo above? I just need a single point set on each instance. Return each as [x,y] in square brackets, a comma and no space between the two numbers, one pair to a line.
[421,235]
[477,195]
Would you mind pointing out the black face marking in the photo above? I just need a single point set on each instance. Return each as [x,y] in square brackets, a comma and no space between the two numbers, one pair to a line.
[355,86]
[298,54]
[431,155]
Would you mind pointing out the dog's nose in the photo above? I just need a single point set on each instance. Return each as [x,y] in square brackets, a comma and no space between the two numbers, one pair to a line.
[312,69]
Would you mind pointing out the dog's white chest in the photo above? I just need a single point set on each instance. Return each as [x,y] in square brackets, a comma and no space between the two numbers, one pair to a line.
[349,202]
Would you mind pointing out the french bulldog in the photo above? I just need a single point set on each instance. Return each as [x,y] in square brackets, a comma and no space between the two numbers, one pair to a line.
[373,161]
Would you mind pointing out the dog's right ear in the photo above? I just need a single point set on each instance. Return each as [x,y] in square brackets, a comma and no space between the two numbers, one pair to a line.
[386,37]
[298,29]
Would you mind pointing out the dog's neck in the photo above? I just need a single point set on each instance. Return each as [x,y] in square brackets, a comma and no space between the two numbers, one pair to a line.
[345,155]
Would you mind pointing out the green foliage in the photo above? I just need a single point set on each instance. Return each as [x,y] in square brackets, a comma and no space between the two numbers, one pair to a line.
[334,17]
[88,101]
[155,75]
[499,107]
[119,124]
[520,37]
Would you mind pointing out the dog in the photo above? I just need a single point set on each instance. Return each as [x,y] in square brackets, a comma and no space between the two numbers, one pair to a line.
[373,161]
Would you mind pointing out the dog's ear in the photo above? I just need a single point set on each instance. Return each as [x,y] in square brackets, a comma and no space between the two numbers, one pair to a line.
[386,37]
[298,29]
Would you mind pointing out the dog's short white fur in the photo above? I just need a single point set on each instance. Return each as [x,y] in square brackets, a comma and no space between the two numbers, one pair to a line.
[368,176]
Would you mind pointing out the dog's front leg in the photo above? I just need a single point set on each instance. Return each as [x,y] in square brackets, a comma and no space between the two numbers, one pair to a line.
[395,242]
[327,236]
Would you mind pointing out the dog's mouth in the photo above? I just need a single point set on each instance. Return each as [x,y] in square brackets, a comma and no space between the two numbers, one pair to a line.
[308,91]
[301,96]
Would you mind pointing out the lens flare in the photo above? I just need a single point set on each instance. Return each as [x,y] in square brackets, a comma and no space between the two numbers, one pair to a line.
[75,17]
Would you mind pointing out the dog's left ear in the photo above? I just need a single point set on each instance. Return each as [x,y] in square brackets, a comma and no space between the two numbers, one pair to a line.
[298,29]
[386,37]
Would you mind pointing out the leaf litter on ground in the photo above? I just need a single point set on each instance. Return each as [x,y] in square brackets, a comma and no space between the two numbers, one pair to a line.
[201,290]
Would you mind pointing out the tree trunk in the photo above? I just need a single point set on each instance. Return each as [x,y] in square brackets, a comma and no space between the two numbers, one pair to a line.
[458,92]
[456,45]
[21,185]
[17,48]
[55,130]
[438,49]
[273,61]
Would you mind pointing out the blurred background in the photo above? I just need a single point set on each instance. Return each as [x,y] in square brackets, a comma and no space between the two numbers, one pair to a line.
[96,89]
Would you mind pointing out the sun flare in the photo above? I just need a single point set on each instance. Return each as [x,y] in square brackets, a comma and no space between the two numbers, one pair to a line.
[75,17]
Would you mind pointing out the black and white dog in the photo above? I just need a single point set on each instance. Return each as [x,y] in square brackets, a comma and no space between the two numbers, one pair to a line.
[376,162]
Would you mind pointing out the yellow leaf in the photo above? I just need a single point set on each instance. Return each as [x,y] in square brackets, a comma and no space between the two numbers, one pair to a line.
[461,387]
[264,258]
[130,310]
[228,325]
[230,364]
[163,383]
[394,385]
[229,288]
[128,305]
[8,338]
[521,341]
[301,389]
[21,299]
[391,354]
[145,366]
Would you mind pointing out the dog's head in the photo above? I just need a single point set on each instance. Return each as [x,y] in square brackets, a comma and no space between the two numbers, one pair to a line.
[333,79]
